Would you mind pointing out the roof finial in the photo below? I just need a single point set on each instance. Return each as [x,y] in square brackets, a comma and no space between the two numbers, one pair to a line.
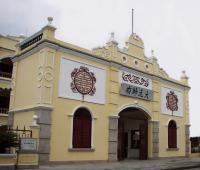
[112,37]
[184,77]
[152,53]
[50,19]
[153,56]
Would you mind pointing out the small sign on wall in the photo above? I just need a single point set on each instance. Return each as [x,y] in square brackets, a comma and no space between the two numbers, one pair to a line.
[28,144]
[171,102]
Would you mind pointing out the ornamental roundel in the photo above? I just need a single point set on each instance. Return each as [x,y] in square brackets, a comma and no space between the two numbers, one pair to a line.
[172,101]
[83,81]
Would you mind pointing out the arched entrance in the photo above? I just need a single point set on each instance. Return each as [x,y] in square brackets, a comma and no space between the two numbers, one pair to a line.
[133,134]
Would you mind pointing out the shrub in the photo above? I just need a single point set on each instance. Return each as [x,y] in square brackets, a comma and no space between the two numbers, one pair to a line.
[8,139]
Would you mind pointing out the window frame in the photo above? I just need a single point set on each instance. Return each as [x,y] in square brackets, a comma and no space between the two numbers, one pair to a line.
[84,117]
[172,135]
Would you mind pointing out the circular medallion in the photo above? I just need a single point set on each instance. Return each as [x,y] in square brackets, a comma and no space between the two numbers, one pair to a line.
[83,82]
[172,101]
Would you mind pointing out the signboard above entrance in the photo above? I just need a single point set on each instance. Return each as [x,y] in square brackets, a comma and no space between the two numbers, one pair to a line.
[136,86]
[137,92]
[135,80]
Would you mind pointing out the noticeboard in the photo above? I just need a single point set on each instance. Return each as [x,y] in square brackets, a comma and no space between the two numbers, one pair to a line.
[28,144]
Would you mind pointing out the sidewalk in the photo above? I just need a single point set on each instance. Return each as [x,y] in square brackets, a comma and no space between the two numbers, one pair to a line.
[165,164]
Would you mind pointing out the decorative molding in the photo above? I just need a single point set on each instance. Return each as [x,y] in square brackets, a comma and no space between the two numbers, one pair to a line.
[148,113]
[32,108]
[92,57]
[114,117]
[5,80]
[3,115]
[188,125]
[45,76]
[133,56]
[72,122]
[153,121]
[81,149]
[172,149]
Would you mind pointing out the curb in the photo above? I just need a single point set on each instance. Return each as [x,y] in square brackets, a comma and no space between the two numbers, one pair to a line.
[183,167]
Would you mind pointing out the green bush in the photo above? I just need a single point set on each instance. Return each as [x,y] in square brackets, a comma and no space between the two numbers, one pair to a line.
[8,139]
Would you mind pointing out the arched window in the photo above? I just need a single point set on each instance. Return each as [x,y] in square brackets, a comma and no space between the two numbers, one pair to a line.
[172,134]
[82,125]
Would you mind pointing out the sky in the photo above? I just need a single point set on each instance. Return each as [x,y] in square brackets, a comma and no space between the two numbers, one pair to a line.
[169,27]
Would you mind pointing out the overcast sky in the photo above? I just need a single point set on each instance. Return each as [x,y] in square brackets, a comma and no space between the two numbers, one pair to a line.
[170,27]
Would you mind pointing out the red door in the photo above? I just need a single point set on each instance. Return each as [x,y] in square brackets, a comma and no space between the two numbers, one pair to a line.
[143,141]
[120,146]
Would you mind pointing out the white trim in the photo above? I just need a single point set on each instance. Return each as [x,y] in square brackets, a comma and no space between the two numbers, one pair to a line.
[173,120]
[177,133]
[71,116]
[92,57]
[177,137]
[148,113]
[82,106]
[113,116]
[3,124]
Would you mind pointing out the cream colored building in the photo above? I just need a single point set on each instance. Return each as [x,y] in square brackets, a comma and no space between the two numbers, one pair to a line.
[102,104]
[7,51]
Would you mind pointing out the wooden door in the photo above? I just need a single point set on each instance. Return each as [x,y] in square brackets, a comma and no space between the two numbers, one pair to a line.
[143,141]
[125,144]
[120,146]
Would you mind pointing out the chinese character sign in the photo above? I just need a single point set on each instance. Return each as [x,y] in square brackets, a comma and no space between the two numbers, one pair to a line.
[135,80]
[137,92]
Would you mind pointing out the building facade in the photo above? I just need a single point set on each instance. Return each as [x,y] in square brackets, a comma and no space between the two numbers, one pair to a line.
[96,105]
[7,51]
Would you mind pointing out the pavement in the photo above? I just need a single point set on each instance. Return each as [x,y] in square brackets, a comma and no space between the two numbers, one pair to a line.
[163,164]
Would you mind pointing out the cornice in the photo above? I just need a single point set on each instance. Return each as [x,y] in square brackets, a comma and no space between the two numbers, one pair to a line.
[32,108]
[50,44]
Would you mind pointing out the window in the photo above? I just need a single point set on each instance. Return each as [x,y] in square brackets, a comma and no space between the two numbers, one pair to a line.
[82,124]
[172,134]
[124,59]
[136,62]
[146,66]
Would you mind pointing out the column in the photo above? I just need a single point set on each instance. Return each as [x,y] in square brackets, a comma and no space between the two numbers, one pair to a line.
[113,138]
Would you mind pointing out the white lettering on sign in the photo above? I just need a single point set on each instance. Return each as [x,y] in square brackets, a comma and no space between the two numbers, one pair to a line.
[137,92]
[135,80]
[28,144]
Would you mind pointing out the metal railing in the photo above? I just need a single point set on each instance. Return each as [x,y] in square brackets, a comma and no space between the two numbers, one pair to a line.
[195,149]
[3,110]
[21,133]
[5,75]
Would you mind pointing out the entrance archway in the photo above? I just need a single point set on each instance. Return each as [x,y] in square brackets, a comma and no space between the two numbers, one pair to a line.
[133,134]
